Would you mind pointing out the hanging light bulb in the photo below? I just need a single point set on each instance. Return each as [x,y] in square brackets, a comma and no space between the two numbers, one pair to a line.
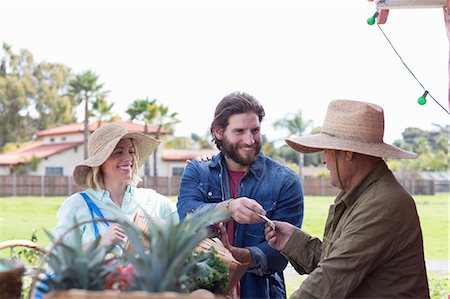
[423,99]
[371,20]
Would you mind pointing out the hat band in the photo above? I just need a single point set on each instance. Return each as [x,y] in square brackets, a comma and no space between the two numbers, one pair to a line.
[353,138]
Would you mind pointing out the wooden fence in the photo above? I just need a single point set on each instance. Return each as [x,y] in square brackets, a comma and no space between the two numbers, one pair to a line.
[12,185]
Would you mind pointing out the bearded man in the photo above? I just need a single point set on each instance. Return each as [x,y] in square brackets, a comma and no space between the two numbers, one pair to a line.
[243,181]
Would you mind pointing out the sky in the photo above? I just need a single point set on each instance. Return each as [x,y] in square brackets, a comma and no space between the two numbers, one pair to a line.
[290,55]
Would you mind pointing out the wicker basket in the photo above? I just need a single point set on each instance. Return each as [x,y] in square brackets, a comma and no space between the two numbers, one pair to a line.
[140,222]
[11,279]
[236,269]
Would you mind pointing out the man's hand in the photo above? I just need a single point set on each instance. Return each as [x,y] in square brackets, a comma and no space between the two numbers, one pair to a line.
[278,237]
[243,210]
[204,158]
[242,255]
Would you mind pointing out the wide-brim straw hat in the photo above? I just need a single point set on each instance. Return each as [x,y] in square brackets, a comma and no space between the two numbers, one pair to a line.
[102,143]
[351,126]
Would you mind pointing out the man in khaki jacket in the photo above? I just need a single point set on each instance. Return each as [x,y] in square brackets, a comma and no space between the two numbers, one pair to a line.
[372,245]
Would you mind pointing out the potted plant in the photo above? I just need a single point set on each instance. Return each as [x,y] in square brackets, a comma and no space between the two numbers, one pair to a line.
[163,263]
[165,256]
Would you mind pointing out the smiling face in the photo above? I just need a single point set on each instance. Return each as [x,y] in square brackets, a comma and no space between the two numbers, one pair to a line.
[118,168]
[241,140]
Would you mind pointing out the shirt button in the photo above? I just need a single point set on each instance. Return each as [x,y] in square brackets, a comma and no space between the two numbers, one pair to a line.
[209,193]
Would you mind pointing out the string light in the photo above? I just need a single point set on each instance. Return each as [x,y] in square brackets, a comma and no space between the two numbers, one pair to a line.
[423,99]
[372,19]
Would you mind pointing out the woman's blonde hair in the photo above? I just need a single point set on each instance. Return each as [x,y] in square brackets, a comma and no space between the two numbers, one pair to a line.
[94,178]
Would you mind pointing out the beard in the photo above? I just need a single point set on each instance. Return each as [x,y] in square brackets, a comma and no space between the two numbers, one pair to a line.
[232,151]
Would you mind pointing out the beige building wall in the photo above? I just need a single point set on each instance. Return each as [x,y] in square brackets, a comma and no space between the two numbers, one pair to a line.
[67,160]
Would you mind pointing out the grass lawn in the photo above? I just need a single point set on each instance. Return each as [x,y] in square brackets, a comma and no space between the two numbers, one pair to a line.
[19,216]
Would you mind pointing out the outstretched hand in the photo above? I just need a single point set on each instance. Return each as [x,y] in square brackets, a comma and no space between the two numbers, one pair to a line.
[243,210]
[278,237]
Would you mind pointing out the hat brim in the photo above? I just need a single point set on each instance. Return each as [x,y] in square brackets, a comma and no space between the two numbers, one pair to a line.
[144,145]
[321,141]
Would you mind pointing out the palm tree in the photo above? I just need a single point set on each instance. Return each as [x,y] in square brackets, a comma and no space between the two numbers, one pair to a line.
[139,110]
[295,125]
[85,88]
[152,113]
[163,119]
[102,109]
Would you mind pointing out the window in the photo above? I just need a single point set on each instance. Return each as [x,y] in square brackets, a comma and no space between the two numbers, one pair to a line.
[53,171]
[176,171]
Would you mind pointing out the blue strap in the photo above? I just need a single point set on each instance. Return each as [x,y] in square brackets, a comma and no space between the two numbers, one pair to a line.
[94,209]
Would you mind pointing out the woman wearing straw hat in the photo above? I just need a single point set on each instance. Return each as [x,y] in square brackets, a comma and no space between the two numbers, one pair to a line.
[372,245]
[109,177]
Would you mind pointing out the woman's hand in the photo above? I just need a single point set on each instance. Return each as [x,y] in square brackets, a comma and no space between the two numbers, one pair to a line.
[114,234]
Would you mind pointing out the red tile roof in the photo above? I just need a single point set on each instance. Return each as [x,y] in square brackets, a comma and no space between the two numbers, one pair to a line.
[38,150]
[79,128]
[186,154]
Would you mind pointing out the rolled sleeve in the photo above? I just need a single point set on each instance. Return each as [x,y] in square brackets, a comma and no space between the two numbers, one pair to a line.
[303,251]
[260,260]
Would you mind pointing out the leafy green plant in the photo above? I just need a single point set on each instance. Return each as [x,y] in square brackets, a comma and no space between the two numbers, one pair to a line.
[161,267]
[211,273]
[29,255]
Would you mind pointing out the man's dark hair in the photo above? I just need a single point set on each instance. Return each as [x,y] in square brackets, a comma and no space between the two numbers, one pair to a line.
[234,103]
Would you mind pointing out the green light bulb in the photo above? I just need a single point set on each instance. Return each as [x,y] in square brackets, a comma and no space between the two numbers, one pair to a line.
[422,100]
[371,21]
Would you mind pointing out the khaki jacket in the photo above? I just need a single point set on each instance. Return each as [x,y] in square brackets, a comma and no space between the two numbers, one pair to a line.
[372,245]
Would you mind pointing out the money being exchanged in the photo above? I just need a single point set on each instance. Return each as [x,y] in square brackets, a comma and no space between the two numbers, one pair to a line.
[272,225]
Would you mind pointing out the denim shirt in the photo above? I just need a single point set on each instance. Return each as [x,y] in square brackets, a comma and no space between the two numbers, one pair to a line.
[279,191]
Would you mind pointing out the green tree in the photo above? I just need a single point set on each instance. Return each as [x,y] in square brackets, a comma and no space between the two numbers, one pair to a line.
[139,110]
[52,102]
[32,95]
[202,142]
[103,110]
[295,124]
[85,88]
[163,119]
[431,147]
[156,114]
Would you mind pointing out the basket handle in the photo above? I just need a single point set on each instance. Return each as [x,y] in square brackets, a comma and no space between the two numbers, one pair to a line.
[21,243]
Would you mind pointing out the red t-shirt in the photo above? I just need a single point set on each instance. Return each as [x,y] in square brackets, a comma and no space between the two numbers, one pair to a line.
[234,177]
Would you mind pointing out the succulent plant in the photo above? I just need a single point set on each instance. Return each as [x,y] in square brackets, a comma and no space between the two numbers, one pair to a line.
[161,266]
[73,265]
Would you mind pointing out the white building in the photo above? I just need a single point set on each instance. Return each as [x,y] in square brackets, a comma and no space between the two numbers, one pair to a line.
[59,149]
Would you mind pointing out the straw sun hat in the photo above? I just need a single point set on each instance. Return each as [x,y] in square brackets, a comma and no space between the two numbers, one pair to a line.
[102,143]
[350,126]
